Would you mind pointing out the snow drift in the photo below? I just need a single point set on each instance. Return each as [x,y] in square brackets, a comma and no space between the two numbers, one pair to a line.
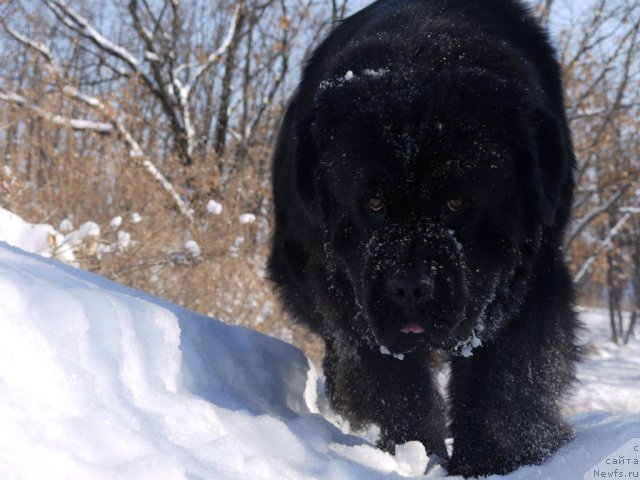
[101,381]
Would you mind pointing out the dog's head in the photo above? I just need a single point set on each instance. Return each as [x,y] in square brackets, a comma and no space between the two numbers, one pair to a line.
[433,188]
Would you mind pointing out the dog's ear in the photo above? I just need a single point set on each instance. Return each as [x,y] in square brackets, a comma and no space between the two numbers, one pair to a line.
[544,161]
[297,157]
[294,164]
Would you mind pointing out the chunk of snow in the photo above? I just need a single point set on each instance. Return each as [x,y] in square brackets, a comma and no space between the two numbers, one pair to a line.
[214,207]
[465,347]
[116,221]
[66,226]
[136,217]
[385,351]
[247,218]
[124,240]
[35,238]
[412,459]
[151,56]
[466,351]
[192,248]
[84,238]
[475,341]
[89,229]
[348,76]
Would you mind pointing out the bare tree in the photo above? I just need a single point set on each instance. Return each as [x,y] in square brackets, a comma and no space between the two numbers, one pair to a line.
[102,107]
[600,54]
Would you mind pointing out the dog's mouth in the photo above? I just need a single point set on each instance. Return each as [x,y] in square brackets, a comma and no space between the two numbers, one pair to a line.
[411,336]
[412,327]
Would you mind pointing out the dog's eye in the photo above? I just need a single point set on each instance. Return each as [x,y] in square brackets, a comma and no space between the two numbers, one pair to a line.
[455,204]
[375,204]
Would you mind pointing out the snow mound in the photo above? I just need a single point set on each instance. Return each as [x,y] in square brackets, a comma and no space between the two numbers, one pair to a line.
[100,381]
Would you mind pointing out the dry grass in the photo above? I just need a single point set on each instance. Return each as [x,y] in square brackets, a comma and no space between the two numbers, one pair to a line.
[96,181]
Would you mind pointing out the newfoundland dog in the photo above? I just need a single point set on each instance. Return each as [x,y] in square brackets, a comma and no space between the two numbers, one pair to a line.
[422,183]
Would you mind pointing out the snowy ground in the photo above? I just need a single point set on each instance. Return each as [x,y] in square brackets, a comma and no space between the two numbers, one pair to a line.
[610,379]
[101,381]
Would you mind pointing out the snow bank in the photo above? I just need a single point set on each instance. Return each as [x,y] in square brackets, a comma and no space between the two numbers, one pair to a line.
[101,381]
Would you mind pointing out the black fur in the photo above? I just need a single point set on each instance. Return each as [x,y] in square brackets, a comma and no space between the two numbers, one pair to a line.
[416,103]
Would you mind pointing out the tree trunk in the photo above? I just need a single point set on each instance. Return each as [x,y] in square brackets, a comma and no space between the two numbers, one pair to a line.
[222,124]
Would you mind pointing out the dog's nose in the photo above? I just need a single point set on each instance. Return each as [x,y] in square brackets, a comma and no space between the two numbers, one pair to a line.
[408,291]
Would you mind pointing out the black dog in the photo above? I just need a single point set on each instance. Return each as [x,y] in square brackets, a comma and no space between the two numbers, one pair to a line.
[422,185]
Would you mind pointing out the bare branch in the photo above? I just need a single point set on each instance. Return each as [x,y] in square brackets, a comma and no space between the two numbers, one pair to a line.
[74,123]
[604,244]
[82,26]
[114,123]
[30,43]
[135,151]
[146,35]
[583,222]
[546,11]
[169,99]
[215,55]
[183,91]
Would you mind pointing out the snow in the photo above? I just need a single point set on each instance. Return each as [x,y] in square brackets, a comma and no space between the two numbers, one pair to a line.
[192,248]
[610,380]
[247,218]
[87,229]
[376,73]
[34,238]
[412,459]
[101,381]
[452,236]
[116,221]
[78,22]
[349,76]
[81,124]
[124,240]
[74,92]
[151,56]
[66,226]
[75,123]
[385,351]
[63,245]
[465,347]
[214,207]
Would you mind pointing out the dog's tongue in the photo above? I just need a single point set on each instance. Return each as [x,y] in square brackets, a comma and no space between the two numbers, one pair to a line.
[412,327]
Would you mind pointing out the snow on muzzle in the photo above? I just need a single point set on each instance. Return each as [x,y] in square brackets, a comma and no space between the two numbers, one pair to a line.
[413,286]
